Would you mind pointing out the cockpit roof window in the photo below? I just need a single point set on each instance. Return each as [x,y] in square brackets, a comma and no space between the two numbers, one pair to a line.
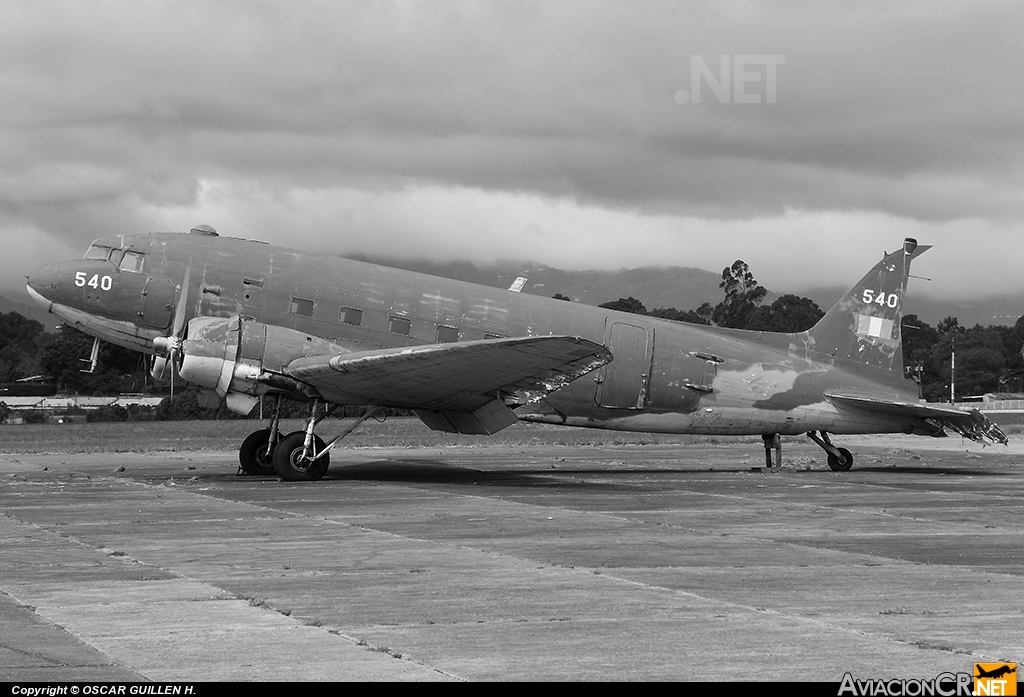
[132,261]
[98,251]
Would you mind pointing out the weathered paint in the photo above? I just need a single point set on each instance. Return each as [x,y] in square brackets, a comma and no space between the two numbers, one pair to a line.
[667,376]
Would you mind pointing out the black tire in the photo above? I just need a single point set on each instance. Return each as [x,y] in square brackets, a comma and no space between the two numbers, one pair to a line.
[288,462]
[254,455]
[843,463]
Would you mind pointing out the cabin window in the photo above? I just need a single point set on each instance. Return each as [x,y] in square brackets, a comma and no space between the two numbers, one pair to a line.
[351,316]
[447,335]
[301,306]
[399,325]
[132,261]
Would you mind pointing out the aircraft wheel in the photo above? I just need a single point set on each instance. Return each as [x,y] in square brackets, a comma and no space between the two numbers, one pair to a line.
[255,456]
[843,463]
[292,467]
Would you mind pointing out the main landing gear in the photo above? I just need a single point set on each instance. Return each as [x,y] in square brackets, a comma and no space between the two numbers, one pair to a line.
[300,456]
[839,459]
[772,441]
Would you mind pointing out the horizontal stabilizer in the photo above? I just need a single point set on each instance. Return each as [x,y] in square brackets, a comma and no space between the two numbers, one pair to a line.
[969,424]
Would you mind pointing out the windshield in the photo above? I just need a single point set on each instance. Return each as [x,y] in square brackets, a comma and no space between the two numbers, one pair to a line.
[124,260]
[132,261]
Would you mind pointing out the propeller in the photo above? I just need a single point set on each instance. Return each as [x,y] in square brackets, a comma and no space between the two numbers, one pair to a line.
[170,346]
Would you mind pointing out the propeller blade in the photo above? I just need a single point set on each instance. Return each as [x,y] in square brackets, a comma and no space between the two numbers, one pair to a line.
[170,345]
[182,309]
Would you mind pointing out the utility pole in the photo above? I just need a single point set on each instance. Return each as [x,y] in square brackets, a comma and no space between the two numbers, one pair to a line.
[952,371]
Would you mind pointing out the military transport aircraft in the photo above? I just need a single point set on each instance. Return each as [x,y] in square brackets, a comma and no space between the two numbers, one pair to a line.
[242,319]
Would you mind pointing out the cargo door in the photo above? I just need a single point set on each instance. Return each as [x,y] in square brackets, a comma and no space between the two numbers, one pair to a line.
[624,381]
[158,300]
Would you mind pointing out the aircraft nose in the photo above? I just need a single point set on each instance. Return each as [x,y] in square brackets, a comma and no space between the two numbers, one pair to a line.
[42,283]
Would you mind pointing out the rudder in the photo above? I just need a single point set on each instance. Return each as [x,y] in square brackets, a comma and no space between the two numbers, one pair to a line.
[863,329]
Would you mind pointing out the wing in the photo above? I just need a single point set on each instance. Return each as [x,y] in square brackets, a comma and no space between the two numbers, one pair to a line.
[969,424]
[459,387]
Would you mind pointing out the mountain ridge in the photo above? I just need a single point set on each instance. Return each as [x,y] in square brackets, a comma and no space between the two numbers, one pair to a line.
[681,287]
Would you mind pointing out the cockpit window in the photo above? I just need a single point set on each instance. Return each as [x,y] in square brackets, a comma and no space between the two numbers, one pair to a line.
[132,261]
[98,251]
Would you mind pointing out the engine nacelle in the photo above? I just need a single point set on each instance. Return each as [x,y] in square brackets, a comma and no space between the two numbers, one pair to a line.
[242,359]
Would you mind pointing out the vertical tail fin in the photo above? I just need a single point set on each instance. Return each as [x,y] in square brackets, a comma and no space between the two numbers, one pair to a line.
[863,329]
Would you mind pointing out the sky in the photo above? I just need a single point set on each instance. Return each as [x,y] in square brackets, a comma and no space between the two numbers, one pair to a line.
[806,138]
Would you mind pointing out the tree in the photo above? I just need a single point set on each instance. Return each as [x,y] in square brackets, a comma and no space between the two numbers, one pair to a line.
[789,314]
[947,325]
[742,296]
[184,406]
[980,361]
[1012,378]
[919,339]
[66,355]
[19,346]
[702,315]
[629,304]
[559,296]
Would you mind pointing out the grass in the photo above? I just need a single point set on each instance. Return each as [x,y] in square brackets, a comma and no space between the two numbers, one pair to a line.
[188,436]
[1011,422]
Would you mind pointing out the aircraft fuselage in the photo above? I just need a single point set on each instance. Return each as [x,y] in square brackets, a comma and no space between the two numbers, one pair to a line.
[665,377]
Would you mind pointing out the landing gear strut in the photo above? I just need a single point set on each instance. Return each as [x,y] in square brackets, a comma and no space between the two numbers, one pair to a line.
[772,440]
[303,456]
[839,459]
[295,462]
[255,455]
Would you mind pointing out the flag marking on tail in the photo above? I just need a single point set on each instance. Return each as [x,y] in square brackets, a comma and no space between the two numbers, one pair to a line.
[877,327]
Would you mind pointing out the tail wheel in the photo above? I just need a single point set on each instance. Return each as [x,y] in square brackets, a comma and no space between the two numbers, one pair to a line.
[255,456]
[291,466]
[842,463]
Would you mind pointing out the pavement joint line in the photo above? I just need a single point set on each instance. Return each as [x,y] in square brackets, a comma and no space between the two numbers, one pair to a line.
[50,662]
[603,514]
[818,623]
[603,572]
[918,644]
[820,507]
[740,497]
[108,553]
[39,656]
[737,496]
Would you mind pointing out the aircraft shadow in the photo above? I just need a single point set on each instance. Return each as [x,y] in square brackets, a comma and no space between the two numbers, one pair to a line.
[427,471]
[433,472]
[931,470]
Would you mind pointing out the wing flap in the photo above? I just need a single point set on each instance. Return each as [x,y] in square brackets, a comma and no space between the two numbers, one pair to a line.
[484,421]
[451,377]
[969,424]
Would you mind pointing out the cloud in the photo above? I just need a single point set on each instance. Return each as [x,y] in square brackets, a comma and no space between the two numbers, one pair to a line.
[796,250]
[548,130]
